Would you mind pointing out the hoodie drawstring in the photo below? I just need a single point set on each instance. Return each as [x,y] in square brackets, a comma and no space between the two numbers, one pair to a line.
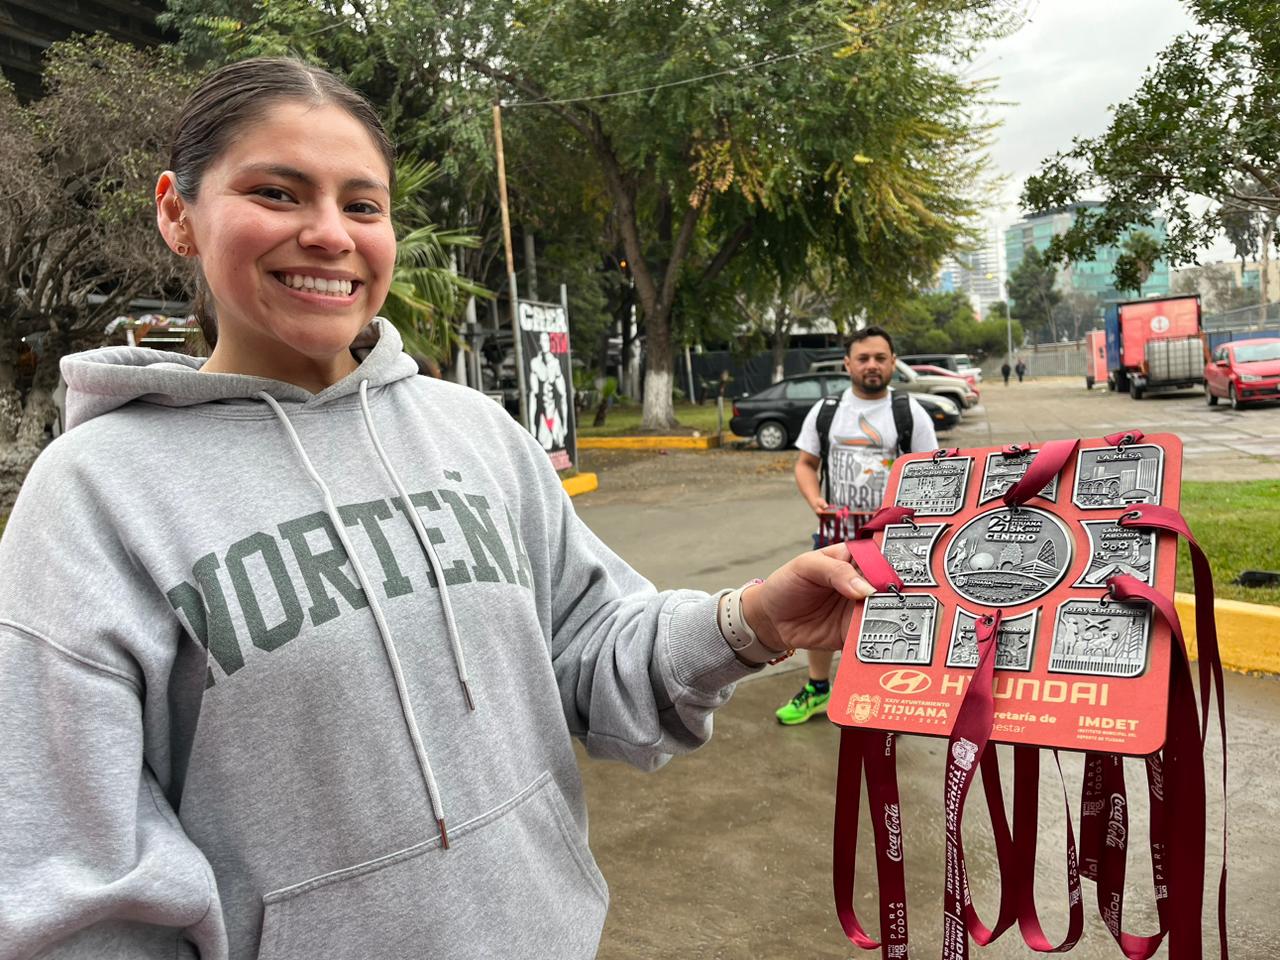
[384,631]
[451,626]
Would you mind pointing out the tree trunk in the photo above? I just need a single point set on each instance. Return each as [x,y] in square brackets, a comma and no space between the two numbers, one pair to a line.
[1264,293]
[39,411]
[781,334]
[10,399]
[659,411]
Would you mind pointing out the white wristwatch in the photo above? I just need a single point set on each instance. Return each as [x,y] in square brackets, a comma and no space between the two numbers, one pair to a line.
[742,640]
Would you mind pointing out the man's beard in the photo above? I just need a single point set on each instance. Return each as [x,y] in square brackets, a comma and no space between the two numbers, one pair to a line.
[877,385]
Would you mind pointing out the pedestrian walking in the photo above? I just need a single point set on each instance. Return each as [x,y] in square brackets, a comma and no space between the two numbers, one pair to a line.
[847,444]
[1022,370]
[1005,370]
[293,643]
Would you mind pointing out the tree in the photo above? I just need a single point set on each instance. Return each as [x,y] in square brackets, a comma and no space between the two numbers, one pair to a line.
[1203,123]
[1137,260]
[1216,284]
[78,241]
[1077,311]
[691,123]
[1251,228]
[426,292]
[1032,293]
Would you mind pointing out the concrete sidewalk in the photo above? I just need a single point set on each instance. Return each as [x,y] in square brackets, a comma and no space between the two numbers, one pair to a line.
[726,853]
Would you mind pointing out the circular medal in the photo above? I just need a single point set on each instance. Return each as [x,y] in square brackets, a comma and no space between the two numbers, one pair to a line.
[1006,557]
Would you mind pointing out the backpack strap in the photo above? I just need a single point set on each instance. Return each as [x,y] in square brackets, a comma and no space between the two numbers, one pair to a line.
[826,413]
[903,421]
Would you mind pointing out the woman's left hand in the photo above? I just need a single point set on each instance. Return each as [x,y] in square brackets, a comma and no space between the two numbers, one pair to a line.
[807,603]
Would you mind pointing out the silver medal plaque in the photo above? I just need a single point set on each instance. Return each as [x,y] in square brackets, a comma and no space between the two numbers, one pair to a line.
[910,550]
[1003,470]
[1114,549]
[1014,641]
[1101,637]
[1006,557]
[898,629]
[934,487]
[1112,477]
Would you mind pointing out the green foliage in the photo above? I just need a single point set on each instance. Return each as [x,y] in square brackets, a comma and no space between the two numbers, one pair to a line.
[79,164]
[426,292]
[741,129]
[944,323]
[1032,294]
[1137,259]
[1202,123]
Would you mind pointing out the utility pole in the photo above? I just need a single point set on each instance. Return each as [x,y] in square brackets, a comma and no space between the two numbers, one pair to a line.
[511,264]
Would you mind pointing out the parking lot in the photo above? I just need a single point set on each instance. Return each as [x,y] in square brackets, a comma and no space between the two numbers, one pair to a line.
[1219,443]
[726,853]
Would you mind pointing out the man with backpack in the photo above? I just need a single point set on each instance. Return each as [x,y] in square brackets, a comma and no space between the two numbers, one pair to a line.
[846,445]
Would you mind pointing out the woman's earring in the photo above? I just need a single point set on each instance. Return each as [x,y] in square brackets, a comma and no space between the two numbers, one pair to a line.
[181,249]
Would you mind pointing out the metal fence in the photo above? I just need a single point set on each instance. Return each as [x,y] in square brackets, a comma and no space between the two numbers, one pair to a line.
[1043,360]
[1244,318]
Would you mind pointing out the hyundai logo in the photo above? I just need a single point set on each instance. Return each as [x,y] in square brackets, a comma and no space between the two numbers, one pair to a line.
[905,681]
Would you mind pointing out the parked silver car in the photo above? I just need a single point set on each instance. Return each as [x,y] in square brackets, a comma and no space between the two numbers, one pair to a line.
[954,389]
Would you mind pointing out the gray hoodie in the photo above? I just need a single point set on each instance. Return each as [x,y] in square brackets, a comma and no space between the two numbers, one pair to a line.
[237,674]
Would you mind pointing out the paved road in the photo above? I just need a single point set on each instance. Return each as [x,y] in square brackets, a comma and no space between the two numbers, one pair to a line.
[1220,443]
[726,853]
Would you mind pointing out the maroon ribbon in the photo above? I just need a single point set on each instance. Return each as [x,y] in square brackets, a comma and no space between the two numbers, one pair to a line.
[965,748]
[1175,778]
[1124,437]
[1183,787]
[874,751]
[1026,814]
[1044,466]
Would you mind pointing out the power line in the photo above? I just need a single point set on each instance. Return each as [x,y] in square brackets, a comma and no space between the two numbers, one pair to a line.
[677,83]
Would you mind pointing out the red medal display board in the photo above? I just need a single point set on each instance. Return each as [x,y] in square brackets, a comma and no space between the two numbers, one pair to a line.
[1074,668]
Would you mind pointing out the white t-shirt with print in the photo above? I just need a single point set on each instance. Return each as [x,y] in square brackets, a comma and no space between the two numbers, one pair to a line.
[861,446]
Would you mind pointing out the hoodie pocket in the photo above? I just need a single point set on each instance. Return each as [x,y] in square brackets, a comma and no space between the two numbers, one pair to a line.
[516,882]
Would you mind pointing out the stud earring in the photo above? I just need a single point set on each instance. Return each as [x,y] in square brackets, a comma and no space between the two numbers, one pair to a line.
[181,249]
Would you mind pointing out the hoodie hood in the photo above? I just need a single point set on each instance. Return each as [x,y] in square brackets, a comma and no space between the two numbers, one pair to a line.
[99,381]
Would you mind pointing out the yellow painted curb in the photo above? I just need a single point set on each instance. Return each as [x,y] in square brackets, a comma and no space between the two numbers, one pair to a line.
[1248,633]
[581,483]
[648,443]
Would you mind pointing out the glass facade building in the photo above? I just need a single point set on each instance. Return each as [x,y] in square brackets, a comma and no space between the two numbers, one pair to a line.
[1094,276]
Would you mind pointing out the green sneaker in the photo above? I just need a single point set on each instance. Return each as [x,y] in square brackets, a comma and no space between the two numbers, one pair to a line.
[804,705]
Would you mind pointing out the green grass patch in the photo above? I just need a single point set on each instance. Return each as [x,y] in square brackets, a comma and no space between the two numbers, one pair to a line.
[624,421]
[1238,525]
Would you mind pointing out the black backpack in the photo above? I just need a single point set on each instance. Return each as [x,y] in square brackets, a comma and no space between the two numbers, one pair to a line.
[903,422]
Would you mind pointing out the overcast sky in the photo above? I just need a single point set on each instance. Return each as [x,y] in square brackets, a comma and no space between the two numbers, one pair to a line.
[1061,73]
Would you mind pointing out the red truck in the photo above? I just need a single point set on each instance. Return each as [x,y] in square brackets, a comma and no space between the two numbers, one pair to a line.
[1155,345]
[1095,361]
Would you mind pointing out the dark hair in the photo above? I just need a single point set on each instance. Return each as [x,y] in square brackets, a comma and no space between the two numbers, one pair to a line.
[234,96]
[865,333]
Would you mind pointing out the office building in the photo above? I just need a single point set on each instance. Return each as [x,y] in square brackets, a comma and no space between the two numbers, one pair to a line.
[1095,276]
[28,27]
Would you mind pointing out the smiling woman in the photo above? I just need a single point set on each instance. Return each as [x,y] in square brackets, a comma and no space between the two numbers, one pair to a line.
[280,184]
[325,707]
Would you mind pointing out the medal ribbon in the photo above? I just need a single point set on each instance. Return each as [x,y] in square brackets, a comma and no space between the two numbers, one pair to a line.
[965,748]
[1044,466]
[874,751]
[1104,816]
[1183,786]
